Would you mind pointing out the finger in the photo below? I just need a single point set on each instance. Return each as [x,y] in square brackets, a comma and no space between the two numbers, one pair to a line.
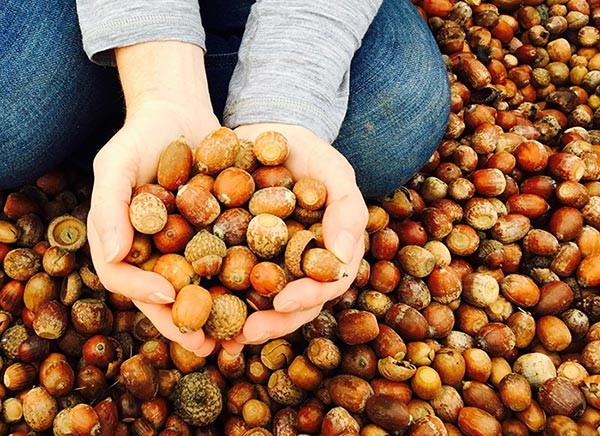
[114,178]
[345,218]
[129,280]
[305,293]
[268,324]
[160,315]
[232,346]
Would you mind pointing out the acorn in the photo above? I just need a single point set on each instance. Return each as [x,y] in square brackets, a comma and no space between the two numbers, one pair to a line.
[268,278]
[227,317]
[67,232]
[282,390]
[271,148]
[231,226]
[21,264]
[559,396]
[535,367]
[139,377]
[197,205]
[295,248]
[276,200]
[205,253]
[267,235]
[174,164]
[147,213]
[191,308]
[197,399]
[322,265]
[39,409]
[311,194]
[216,151]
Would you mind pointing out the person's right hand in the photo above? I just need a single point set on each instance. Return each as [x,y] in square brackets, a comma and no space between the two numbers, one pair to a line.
[161,106]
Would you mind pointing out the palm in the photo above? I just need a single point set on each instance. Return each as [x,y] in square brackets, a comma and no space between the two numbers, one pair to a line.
[130,159]
[346,212]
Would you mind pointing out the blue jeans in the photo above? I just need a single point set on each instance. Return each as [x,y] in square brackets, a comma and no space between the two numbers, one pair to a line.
[56,105]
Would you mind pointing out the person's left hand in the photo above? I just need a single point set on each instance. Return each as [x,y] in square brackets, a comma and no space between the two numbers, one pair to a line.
[344,224]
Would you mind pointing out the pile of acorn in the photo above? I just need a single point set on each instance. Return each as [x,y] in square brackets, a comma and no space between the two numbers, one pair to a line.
[475,311]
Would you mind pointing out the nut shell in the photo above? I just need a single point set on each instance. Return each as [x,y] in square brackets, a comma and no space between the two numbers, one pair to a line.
[174,164]
[227,316]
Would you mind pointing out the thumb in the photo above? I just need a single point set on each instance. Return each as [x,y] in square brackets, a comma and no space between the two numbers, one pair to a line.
[109,206]
[344,223]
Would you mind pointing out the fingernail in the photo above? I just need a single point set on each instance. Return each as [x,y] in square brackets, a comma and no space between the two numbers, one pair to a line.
[160,298]
[343,246]
[197,353]
[110,246]
[288,306]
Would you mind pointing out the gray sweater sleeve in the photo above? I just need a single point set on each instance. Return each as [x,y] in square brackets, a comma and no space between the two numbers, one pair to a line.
[107,24]
[294,63]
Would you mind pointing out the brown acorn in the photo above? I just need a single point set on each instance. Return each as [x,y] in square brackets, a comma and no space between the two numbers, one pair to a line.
[139,377]
[233,187]
[191,308]
[174,164]
[311,194]
[197,205]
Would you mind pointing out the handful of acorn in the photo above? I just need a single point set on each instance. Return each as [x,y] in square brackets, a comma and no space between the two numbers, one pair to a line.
[227,225]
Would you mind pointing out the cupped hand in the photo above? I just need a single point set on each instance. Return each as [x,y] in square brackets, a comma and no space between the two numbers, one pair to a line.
[344,223]
[130,159]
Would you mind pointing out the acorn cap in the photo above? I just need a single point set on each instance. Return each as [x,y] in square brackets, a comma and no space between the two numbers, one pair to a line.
[203,244]
[197,399]
[227,317]
[294,249]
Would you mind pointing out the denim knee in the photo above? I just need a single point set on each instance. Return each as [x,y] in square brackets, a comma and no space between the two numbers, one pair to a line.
[53,100]
[399,101]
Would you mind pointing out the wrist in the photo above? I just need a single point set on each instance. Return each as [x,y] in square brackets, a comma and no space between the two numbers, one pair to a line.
[169,72]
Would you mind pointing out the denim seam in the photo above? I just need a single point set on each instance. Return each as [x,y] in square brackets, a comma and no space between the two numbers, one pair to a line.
[147,19]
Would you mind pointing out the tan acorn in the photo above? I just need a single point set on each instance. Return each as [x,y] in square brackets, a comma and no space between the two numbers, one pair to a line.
[276,200]
[205,253]
[271,148]
[227,316]
[191,308]
[217,151]
[311,194]
[322,265]
[267,235]
[147,213]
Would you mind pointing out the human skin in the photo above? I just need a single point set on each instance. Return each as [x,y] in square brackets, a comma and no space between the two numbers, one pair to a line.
[166,95]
